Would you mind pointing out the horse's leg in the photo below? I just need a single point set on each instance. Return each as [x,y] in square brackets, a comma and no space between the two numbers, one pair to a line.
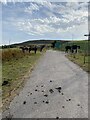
[66,50]
[29,51]
[35,51]
[76,50]
[23,51]
[72,50]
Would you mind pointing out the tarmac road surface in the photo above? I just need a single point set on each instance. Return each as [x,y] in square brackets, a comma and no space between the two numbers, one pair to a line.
[57,88]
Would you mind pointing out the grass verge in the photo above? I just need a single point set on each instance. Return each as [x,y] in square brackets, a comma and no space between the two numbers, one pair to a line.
[79,59]
[16,71]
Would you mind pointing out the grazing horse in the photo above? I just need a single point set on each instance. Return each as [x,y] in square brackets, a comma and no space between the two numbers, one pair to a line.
[68,48]
[41,48]
[33,49]
[26,48]
[23,49]
[53,44]
[74,48]
[29,49]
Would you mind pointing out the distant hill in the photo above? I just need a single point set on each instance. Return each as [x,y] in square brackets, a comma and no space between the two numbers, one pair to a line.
[32,42]
[37,42]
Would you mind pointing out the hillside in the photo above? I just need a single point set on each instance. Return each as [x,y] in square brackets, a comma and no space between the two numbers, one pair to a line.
[37,42]
[32,42]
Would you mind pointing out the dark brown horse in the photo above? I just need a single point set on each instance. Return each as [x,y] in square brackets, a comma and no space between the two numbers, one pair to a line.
[67,49]
[29,49]
[33,49]
[73,48]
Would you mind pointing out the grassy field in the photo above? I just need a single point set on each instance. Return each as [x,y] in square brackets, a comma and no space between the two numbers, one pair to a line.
[16,67]
[79,59]
[84,45]
[83,54]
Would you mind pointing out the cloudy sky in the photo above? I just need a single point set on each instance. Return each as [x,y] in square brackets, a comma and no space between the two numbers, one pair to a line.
[22,21]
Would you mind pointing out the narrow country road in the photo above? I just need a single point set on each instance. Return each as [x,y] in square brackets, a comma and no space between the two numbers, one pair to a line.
[57,88]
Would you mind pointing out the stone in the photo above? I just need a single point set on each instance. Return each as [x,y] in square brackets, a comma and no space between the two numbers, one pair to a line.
[47,102]
[36,90]
[62,94]
[57,117]
[35,102]
[24,102]
[51,91]
[5,82]
[59,89]
[45,95]
[42,90]
[78,104]
[50,80]
[63,106]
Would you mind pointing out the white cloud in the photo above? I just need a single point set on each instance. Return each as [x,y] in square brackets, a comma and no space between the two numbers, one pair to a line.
[58,18]
[5,1]
[50,25]
[31,8]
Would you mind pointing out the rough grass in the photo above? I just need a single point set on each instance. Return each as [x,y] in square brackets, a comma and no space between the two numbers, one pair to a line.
[13,53]
[16,67]
[79,59]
